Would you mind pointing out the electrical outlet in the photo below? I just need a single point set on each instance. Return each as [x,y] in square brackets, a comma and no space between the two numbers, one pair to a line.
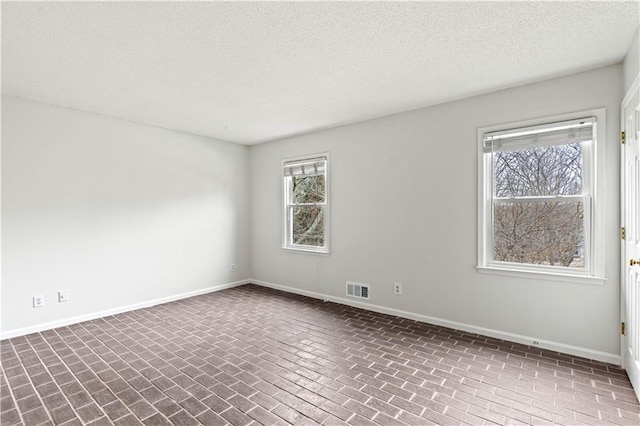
[38,301]
[397,289]
[63,296]
[233,267]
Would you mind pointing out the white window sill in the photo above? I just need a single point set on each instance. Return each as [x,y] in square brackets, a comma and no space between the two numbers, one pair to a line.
[305,250]
[542,275]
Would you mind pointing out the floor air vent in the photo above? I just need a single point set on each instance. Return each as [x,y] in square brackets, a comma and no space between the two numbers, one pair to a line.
[357,290]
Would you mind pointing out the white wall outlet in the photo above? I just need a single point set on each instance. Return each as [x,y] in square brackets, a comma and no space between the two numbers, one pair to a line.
[233,267]
[38,301]
[63,296]
[397,289]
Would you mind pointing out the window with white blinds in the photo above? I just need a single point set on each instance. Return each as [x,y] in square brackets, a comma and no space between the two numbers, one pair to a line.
[306,213]
[537,200]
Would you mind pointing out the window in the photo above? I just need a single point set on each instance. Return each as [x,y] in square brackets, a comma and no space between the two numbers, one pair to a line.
[538,210]
[306,202]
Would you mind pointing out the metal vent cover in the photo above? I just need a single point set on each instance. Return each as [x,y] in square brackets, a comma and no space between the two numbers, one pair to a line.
[359,290]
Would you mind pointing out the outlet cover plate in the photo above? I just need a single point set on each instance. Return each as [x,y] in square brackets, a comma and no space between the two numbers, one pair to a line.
[38,301]
[397,289]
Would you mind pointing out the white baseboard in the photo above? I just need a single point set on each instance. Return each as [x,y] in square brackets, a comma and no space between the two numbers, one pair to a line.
[88,317]
[516,338]
[502,335]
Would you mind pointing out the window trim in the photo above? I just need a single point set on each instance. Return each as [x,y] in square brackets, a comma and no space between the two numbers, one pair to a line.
[594,237]
[299,248]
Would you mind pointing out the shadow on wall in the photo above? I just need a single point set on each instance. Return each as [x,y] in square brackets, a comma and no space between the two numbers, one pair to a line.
[112,211]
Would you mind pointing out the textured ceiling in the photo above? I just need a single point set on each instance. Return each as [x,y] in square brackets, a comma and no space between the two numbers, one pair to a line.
[254,72]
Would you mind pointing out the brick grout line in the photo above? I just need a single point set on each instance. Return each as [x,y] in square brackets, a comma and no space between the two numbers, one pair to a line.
[83,327]
[12,392]
[46,369]
[98,375]
[79,382]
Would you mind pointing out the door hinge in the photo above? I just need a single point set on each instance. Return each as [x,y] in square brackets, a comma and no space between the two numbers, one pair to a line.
[623,233]
[623,137]
[623,328]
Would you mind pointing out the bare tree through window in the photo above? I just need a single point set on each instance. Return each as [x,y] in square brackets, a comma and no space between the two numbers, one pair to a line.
[308,220]
[537,230]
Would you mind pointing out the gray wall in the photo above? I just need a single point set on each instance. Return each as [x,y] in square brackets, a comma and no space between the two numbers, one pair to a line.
[116,213]
[631,64]
[404,209]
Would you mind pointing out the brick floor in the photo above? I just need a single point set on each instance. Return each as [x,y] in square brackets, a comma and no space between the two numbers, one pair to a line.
[251,355]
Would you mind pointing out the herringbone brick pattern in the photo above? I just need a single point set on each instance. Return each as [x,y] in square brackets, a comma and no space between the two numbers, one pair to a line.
[250,355]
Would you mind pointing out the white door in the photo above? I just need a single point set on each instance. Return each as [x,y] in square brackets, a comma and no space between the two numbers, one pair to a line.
[630,291]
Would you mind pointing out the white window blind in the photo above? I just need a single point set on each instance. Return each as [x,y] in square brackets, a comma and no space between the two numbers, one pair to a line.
[308,167]
[561,133]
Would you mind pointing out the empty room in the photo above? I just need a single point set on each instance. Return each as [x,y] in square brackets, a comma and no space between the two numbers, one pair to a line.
[320,213]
